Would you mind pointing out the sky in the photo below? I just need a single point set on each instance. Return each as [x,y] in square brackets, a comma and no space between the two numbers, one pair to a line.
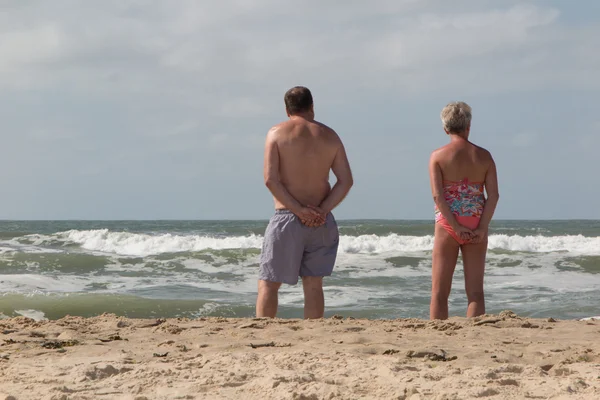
[158,109]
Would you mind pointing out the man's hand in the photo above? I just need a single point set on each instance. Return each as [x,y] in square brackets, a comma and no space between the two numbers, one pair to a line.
[322,215]
[315,223]
[316,219]
[319,210]
[306,213]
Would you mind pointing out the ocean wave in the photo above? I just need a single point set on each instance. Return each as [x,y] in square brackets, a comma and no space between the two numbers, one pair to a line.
[385,244]
[577,244]
[140,245]
[137,244]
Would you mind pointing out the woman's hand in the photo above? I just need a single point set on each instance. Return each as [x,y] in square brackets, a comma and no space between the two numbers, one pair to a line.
[464,233]
[479,234]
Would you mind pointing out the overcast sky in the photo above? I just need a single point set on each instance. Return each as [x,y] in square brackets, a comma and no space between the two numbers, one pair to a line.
[131,109]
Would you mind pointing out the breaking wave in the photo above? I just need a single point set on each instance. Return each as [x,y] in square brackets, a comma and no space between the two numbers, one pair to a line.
[139,244]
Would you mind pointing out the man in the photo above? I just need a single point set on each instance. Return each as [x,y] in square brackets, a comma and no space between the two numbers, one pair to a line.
[302,237]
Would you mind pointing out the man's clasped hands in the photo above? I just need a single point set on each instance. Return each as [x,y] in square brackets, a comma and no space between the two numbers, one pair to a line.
[311,216]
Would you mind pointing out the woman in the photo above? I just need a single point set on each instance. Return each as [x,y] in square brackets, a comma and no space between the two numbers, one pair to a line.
[459,172]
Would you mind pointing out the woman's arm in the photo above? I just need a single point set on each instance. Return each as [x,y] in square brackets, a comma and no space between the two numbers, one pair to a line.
[491,188]
[437,190]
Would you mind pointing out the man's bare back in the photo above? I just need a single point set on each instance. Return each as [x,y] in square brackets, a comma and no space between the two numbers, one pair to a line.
[306,150]
[299,153]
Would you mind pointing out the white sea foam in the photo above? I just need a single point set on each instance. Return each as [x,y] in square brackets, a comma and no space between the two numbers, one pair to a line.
[33,284]
[207,308]
[385,244]
[33,314]
[13,246]
[577,244]
[210,268]
[137,244]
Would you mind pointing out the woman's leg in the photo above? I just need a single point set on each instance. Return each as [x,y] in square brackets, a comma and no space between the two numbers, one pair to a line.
[474,266]
[445,254]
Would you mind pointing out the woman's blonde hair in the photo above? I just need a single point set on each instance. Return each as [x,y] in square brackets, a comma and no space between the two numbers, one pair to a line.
[456,117]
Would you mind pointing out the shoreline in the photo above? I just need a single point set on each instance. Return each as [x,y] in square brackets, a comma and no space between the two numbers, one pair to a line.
[501,356]
[24,314]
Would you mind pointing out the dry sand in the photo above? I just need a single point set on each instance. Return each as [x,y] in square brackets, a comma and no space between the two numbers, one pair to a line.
[108,357]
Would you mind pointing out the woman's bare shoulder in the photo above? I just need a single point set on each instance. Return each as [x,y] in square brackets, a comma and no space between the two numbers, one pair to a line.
[482,152]
[447,153]
[440,151]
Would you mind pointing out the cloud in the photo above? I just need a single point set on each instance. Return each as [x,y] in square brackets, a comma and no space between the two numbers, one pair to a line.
[235,47]
[432,39]
[25,48]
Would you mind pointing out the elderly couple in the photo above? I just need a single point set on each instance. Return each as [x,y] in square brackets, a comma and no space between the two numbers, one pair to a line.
[302,237]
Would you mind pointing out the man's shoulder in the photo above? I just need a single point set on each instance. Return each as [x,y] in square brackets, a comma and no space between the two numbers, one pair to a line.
[278,129]
[280,125]
[324,127]
[328,133]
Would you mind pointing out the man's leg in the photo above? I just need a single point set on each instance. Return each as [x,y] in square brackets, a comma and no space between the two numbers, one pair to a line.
[279,260]
[318,261]
[314,301]
[266,303]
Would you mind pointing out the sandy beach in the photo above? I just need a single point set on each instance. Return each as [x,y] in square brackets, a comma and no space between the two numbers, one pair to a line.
[108,357]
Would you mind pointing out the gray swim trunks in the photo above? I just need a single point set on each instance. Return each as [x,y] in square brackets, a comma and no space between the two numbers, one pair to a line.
[292,249]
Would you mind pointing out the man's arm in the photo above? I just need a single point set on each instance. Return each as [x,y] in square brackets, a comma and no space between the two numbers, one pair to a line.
[341,170]
[273,182]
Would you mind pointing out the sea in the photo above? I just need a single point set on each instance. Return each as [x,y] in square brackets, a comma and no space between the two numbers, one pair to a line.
[160,269]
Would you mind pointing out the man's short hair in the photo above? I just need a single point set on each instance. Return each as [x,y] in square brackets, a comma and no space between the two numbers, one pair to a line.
[297,100]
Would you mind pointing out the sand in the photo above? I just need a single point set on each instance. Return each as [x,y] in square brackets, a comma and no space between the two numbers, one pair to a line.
[107,357]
